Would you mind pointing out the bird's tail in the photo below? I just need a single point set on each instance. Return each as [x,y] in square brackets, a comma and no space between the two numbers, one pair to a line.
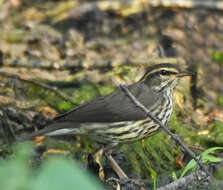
[54,129]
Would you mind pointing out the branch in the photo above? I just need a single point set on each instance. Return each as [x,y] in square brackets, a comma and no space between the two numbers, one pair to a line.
[90,65]
[37,83]
[166,129]
[185,181]
[126,8]
[208,4]
[136,6]
[8,133]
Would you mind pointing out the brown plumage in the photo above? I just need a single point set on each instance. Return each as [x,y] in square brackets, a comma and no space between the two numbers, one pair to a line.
[106,118]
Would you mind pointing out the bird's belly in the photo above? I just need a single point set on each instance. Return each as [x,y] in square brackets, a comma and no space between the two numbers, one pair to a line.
[163,114]
[115,132]
[120,132]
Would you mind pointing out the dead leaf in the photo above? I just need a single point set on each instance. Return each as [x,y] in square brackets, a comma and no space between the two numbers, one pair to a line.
[56,151]
[179,99]
[39,139]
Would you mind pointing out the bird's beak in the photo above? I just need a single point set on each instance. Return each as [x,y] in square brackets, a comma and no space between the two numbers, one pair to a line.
[185,73]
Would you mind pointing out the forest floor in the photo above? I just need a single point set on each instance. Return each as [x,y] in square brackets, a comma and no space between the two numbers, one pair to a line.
[86,50]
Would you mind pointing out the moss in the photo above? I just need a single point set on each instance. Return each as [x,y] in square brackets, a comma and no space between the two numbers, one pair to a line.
[16,36]
[64,106]
[158,152]
[86,92]
[104,90]
[152,154]
[191,136]
[220,100]
[219,173]
[176,125]
[217,133]
[80,95]
[61,145]
[218,57]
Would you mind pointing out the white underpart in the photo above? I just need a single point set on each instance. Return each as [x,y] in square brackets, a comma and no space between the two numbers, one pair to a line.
[63,132]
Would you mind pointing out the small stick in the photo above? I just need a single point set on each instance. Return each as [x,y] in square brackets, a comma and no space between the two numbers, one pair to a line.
[37,83]
[185,181]
[80,65]
[166,129]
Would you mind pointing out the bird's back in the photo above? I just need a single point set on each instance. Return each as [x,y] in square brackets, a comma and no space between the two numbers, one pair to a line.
[114,107]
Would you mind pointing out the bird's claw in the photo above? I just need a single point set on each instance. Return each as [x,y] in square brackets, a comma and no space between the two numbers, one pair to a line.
[124,181]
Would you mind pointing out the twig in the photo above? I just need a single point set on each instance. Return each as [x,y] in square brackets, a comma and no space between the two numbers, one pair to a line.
[118,5]
[208,4]
[8,133]
[166,129]
[144,62]
[185,181]
[80,65]
[43,85]
[136,6]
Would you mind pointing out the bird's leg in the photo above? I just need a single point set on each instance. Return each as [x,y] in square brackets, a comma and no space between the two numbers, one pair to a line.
[107,150]
[121,174]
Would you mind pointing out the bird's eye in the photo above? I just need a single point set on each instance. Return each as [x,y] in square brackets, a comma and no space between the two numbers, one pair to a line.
[164,72]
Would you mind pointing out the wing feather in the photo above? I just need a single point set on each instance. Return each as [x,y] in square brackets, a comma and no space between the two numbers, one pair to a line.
[113,107]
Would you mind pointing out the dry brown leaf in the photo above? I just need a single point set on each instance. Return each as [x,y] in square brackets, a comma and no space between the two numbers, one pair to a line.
[216,114]
[200,118]
[39,139]
[16,2]
[6,100]
[56,151]
[46,110]
[203,132]
[179,99]
[98,160]
[179,161]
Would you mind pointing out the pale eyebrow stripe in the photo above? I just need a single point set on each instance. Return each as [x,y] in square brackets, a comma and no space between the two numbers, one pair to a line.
[172,70]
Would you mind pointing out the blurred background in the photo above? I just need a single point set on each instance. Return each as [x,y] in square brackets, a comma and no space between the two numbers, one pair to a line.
[55,55]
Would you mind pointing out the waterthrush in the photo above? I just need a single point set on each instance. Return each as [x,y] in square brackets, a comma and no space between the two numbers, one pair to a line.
[114,118]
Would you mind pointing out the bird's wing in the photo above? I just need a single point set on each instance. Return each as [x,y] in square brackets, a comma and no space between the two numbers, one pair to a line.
[113,107]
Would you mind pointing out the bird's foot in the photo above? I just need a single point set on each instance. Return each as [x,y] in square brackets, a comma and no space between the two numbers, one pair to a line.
[126,182]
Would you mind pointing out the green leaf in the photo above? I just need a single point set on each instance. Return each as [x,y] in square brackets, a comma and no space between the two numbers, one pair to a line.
[190,166]
[54,174]
[23,151]
[14,172]
[174,176]
[154,175]
[14,176]
[210,158]
[206,157]
[210,150]
[60,173]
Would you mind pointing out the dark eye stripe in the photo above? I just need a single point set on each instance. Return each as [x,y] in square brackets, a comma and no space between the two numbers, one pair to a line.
[165,72]
[158,72]
[161,73]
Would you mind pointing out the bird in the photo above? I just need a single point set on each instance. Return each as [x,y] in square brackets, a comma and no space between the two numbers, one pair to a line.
[114,118]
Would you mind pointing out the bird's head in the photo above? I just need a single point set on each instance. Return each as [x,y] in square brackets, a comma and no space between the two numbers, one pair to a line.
[163,76]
